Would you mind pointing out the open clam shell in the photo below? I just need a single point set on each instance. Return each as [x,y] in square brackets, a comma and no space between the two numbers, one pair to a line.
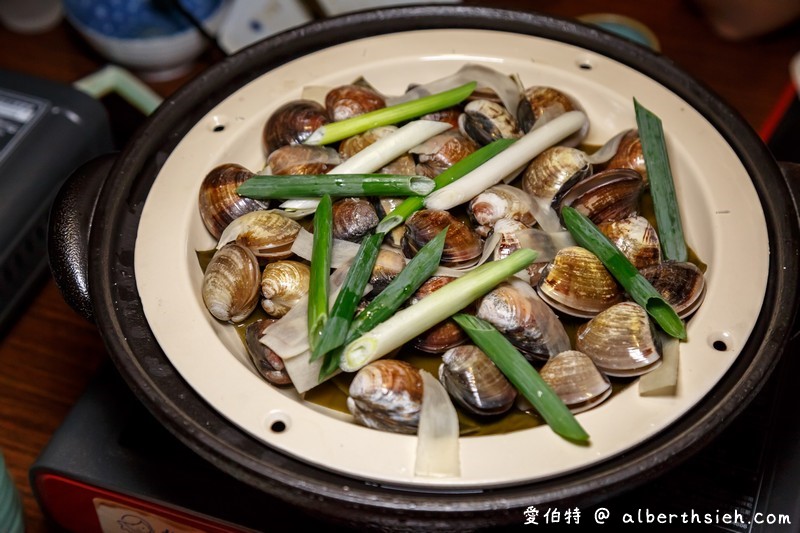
[612,194]
[268,235]
[682,284]
[283,283]
[636,238]
[231,282]
[218,201]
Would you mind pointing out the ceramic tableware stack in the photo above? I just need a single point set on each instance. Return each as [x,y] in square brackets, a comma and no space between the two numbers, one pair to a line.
[10,505]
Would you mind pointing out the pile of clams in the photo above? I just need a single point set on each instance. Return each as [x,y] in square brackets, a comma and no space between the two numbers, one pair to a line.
[566,314]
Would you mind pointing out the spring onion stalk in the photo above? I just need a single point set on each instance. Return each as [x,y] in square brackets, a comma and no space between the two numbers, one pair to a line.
[318,285]
[588,236]
[437,434]
[514,157]
[461,168]
[662,186]
[415,273]
[336,131]
[334,332]
[264,187]
[523,376]
[415,319]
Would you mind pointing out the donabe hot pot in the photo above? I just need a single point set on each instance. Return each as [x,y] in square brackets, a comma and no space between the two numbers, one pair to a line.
[129,261]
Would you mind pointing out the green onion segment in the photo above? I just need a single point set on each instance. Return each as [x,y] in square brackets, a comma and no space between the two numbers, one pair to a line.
[336,131]
[459,169]
[588,236]
[523,376]
[313,185]
[413,320]
[662,186]
[336,326]
[318,285]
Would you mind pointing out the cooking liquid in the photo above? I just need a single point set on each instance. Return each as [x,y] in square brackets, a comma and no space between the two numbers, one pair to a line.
[333,393]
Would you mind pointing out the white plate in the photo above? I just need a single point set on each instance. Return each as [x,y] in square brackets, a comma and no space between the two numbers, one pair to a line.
[721,212]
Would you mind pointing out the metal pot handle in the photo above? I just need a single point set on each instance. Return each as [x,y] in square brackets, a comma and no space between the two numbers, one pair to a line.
[69,228]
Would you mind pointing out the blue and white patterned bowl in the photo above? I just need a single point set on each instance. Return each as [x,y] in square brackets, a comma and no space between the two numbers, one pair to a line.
[147,36]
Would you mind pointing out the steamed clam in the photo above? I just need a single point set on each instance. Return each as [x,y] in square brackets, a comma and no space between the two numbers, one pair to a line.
[518,313]
[542,104]
[629,154]
[387,395]
[218,201]
[577,283]
[269,235]
[485,121]
[555,171]
[474,381]
[576,380]
[611,194]
[267,363]
[444,335]
[353,218]
[682,284]
[462,246]
[499,202]
[621,341]
[636,238]
[231,283]
[348,101]
[441,151]
[298,159]
[283,284]
[293,123]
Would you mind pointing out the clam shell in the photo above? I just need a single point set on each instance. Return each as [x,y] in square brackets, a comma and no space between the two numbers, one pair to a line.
[577,283]
[485,121]
[231,282]
[629,154]
[575,378]
[462,246]
[682,284]
[387,266]
[612,194]
[283,284]
[621,341]
[524,319]
[297,159]
[349,101]
[499,202]
[266,362]
[387,395]
[636,238]
[441,151]
[542,104]
[473,380]
[353,218]
[269,235]
[293,123]
[554,171]
[449,115]
[218,200]
[352,145]
[444,335]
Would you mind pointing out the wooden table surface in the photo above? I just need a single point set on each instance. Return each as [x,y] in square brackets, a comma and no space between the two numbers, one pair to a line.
[50,353]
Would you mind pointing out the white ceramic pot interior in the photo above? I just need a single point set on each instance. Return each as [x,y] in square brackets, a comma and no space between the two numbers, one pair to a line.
[722,216]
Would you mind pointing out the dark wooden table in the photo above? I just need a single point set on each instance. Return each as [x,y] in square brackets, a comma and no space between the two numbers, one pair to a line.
[50,354]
